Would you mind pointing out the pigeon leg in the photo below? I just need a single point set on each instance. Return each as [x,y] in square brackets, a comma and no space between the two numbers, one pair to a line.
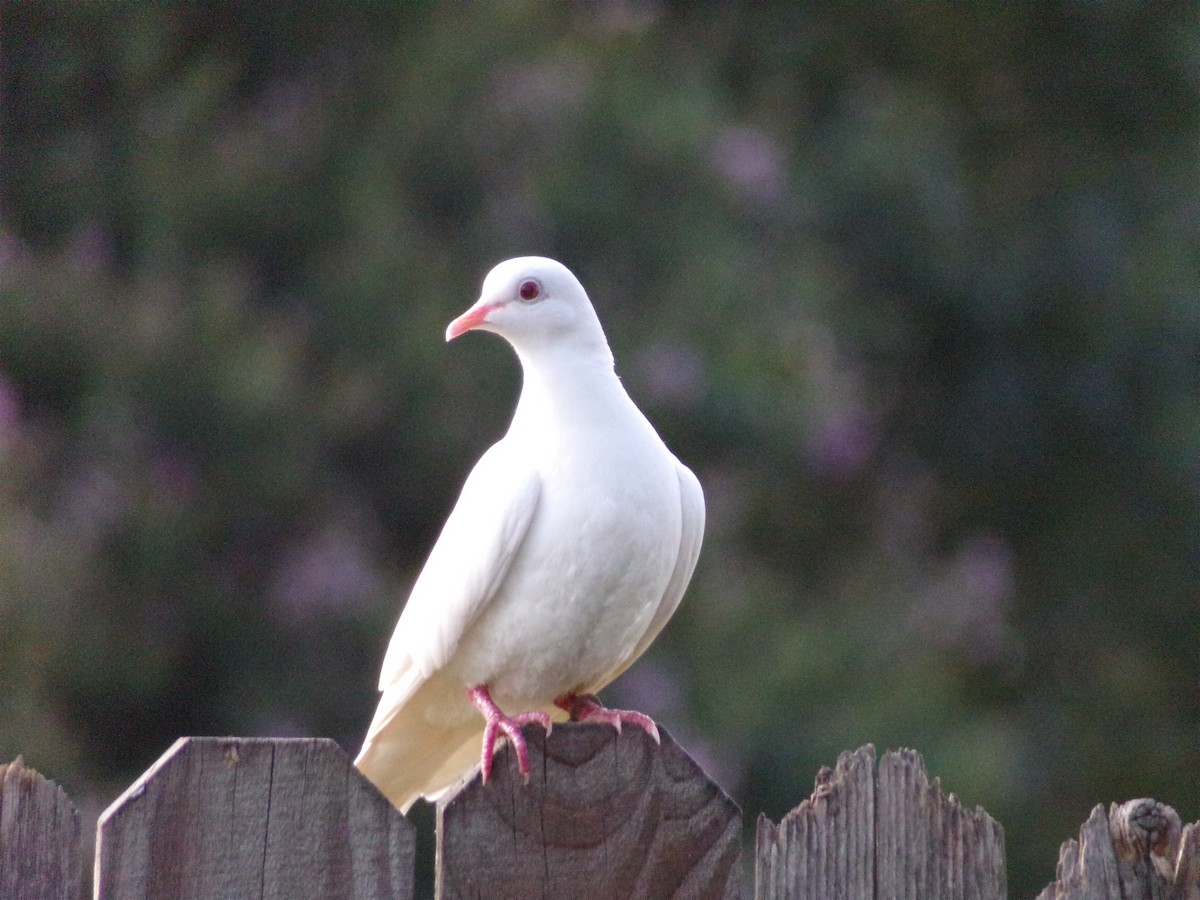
[587,707]
[498,722]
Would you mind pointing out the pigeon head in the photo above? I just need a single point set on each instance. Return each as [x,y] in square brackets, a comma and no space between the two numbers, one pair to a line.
[533,303]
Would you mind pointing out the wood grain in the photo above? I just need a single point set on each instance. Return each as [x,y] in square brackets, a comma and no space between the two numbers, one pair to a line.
[825,847]
[253,817]
[891,834]
[39,837]
[929,847]
[1138,851]
[1187,867]
[603,816]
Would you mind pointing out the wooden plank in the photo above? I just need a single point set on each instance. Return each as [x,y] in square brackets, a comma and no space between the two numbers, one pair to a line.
[1146,836]
[1138,850]
[1087,868]
[39,837]
[253,817]
[1187,866]
[886,835]
[824,849]
[929,847]
[603,816]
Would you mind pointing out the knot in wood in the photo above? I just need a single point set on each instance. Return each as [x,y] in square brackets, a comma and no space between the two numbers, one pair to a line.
[1147,829]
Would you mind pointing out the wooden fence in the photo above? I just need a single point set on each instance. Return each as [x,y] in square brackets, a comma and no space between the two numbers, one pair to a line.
[603,816]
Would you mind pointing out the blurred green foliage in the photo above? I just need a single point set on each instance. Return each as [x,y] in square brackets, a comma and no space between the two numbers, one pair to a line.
[914,288]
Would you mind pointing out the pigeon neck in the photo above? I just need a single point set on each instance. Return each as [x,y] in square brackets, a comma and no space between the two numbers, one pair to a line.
[580,352]
[563,387]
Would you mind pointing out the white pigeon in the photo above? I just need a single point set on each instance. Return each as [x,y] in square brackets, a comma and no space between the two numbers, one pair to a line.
[568,550]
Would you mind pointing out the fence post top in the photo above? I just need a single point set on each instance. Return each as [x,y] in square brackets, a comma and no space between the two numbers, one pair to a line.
[229,816]
[229,750]
[39,835]
[615,811]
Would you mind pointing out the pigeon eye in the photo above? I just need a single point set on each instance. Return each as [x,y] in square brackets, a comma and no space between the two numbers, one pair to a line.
[530,289]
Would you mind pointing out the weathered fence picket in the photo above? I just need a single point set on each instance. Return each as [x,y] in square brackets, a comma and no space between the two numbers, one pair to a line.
[603,815]
[253,817]
[864,834]
[39,836]
[1139,851]
[825,847]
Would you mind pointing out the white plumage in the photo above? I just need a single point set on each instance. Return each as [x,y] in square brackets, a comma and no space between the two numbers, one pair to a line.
[568,550]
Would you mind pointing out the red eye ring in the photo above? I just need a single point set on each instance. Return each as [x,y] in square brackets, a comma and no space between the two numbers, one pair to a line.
[529,290]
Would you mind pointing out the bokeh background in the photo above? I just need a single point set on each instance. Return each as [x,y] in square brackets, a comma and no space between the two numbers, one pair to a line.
[913,287]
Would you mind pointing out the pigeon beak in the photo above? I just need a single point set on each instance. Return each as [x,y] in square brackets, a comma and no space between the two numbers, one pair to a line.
[472,318]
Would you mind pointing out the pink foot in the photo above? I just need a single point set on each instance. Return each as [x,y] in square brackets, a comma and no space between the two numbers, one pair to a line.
[498,722]
[587,707]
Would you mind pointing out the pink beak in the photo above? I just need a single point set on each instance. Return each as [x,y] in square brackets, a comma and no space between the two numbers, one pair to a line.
[472,318]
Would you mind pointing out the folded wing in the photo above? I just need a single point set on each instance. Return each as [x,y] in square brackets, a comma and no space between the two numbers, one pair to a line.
[691,500]
[466,566]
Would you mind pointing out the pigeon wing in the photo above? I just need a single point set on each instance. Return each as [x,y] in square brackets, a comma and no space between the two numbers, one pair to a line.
[691,499]
[466,566]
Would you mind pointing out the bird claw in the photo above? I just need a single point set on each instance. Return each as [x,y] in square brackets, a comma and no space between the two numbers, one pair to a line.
[510,726]
[588,708]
